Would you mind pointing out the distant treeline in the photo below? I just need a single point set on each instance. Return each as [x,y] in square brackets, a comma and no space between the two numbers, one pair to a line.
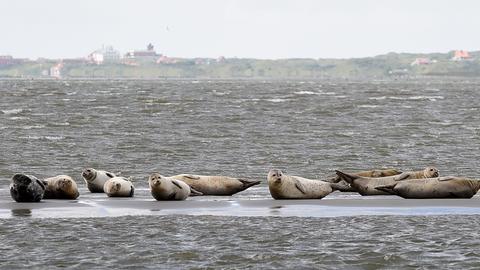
[382,66]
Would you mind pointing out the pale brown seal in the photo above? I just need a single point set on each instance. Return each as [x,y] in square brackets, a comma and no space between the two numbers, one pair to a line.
[119,187]
[284,186]
[60,187]
[366,185]
[430,188]
[167,188]
[375,173]
[216,185]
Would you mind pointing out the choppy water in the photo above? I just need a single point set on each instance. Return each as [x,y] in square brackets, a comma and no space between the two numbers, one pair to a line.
[238,128]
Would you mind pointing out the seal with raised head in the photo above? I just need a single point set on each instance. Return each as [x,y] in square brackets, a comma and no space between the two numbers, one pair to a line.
[26,188]
[60,187]
[95,179]
[216,185]
[434,188]
[169,189]
[366,185]
[284,186]
[119,187]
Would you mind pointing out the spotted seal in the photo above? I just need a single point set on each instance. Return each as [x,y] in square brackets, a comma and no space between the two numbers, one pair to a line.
[95,179]
[26,188]
[216,185]
[60,187]
[119,187]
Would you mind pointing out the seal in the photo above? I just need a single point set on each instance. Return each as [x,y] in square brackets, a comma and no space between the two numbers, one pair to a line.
[169,189]
[60,187]
[95,179]
[434,188]
[371,173]
[284,186]
[366,185]
[118,187]
[216,185]
[26,188]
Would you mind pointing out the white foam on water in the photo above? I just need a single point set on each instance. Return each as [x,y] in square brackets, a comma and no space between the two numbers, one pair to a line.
[305,93]
[12,111]
[277,100]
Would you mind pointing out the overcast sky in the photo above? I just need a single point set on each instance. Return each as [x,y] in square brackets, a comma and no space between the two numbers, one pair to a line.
[246,28]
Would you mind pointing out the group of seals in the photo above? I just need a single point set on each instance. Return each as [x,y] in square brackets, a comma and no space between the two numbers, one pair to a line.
[28,188]
[367,185]
[415,184]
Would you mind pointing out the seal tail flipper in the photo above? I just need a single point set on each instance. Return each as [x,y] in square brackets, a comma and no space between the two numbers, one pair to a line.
[349,178]
[342,187]
[249,183]
[132,191]
[387,189]
[194,192]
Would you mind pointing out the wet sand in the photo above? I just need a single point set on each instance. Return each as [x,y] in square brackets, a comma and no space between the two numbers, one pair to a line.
[335,205]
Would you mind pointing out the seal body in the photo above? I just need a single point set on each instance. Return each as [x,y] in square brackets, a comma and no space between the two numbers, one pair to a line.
[119,187]
[371,173]
[366,186]
[431,188]
[26,188]
[167,188]
[284,186]
[95,179]
[60,187]
[216,185]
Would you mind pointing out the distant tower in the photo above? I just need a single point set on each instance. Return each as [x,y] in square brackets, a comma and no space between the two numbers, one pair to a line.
[150,47]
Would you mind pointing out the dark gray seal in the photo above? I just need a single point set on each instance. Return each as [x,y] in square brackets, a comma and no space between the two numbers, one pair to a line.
[26,188]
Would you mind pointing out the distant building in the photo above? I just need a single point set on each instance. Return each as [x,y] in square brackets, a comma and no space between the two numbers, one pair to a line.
[56,70]
[148,55]
[461,55]
[221,59]
[166,60]
[422,61]
[104,55]
[8,60]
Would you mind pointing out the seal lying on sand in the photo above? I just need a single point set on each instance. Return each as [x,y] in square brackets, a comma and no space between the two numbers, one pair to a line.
[371,173]
[284,186]
[119,187]
[26,188]
[60,187]
[216,185]
[440,187]
[366,185]
[95,179]
[167,188]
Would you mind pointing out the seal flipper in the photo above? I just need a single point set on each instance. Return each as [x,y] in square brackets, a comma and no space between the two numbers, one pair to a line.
[446,178]
[194,192]
[300,186]
[172,196]
[177,184]
[132,190]
[249,183]
[349,178]
[403,176]
[342,187]
[193,177]
[387,188]
[110,175]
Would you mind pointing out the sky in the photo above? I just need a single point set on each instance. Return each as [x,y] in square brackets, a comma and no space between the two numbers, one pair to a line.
[266,29]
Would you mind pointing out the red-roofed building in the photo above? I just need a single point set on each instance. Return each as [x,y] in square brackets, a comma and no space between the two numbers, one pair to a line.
[461,55]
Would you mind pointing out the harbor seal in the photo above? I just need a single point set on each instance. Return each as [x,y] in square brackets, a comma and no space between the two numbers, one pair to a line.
[371,173]
[60,187]
[26,188]
[366,185]
[169,189]
[118,187]
[216,185]
[284,186]
[434,188]
[95,179]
